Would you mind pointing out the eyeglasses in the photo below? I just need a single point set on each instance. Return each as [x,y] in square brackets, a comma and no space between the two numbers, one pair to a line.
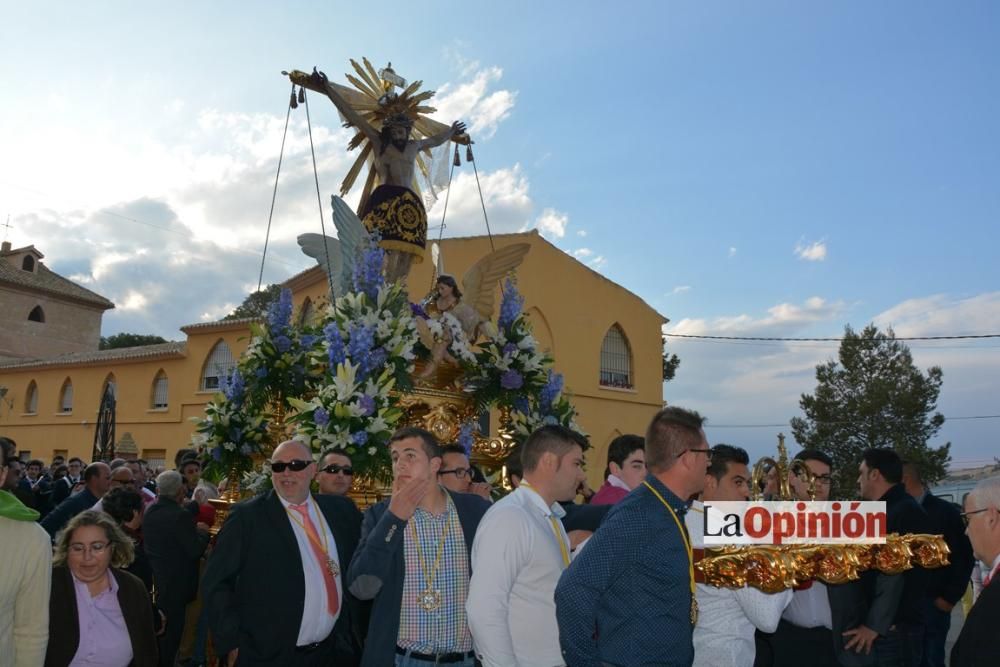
[95,548]
[965,515]
[333,469]
[823,480]
[459,473]
[295,465]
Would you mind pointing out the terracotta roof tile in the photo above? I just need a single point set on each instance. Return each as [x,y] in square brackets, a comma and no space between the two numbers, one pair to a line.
[45,280]
[171,349]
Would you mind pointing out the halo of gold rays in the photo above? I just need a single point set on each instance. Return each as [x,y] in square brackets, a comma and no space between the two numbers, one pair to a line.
[367,99]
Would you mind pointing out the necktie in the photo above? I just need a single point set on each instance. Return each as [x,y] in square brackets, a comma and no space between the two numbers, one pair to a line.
[332,603]
[988,578]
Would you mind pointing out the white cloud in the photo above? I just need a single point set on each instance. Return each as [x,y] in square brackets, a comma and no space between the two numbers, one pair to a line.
[781,320]
[552,223]
[811,252]
[680,289]
[582,253]
[581,233]
[474,102]
[507,203]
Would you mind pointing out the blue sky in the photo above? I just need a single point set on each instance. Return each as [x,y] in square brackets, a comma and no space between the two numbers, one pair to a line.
[773,168]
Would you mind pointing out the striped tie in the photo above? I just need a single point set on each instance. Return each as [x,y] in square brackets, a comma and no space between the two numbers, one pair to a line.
[332,603]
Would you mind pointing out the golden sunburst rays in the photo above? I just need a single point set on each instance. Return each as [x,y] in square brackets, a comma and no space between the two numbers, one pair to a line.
[375,105]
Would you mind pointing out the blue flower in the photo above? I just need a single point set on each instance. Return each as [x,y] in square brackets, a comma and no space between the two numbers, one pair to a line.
[279,314]
[359,438]
[418,311]
[233,387]
[552,387]
[521,405]
[367,274]
[510,306]
[260,373]
[511,380]
[509,350]
[308,340]
[321,417]
[217,453]
[359,348]
[246,450]
[283,343]
[335,342]
[465,438]
[367,405]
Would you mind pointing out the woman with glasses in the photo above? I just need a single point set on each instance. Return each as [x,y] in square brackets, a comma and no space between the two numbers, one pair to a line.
[98,613]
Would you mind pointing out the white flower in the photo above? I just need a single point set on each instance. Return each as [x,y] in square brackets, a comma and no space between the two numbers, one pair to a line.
[371,451]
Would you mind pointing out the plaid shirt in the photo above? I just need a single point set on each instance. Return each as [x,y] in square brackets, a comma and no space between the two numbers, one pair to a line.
[445,629]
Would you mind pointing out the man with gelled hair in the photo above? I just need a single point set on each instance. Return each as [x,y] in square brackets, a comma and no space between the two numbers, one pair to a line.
[626,469]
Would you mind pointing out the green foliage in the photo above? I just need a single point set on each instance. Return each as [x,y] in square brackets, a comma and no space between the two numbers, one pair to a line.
[670,363]
[873,396]
[256,304]
[129,340]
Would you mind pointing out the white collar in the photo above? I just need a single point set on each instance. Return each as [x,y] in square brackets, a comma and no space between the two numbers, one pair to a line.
[535,498]
[615,481]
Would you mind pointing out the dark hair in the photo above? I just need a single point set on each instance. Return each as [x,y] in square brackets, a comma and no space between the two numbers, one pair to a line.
[453,449]
[8,450]
[886,461]
[722,455]
[60,470]
[672,431]
[188,460]
[34,462]
[513,464]
[551,438]
[814,455]
[181,455]
[75,458]
[427,439]
[621,448]
[339,452]
[385,138]
[92,471]
[121,504]
[450,282]
[914,470]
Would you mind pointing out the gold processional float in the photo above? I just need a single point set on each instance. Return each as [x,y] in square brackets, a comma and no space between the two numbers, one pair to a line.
[776,568]
[439,400]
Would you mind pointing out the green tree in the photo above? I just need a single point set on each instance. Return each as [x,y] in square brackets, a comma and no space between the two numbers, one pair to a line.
[129,340]
[256,304]
[873,396]
[670,363]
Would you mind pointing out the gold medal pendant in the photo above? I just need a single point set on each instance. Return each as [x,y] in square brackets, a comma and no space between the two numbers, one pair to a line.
[332,566]
[429,599]
[694,611]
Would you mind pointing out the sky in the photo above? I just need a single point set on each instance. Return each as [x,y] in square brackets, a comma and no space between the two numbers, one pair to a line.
[768,169]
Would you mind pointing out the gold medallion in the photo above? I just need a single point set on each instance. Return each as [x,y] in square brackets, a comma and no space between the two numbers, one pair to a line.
[429,599]
[332,566]
[694,611]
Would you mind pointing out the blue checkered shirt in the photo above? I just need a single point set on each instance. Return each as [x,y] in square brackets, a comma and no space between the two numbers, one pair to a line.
[626,598]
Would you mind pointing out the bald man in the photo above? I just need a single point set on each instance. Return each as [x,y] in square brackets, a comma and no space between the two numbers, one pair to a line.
[273,586]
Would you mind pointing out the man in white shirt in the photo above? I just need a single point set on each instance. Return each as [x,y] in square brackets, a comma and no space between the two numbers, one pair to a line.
[273,585]
[728,617]
[519,553]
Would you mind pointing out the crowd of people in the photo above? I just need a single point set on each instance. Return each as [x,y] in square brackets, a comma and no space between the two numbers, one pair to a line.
[112,563]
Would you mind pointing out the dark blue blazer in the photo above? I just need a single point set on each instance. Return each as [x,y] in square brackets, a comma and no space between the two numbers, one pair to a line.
[68,509]
[378,568]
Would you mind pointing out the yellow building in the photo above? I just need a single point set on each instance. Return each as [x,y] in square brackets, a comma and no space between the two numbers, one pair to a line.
[606,341]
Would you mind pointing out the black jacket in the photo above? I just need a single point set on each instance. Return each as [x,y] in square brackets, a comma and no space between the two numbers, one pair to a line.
[174,548]
[254,586]
[64,620]
[68,509]
[949,582]
[378,568]
[978,644]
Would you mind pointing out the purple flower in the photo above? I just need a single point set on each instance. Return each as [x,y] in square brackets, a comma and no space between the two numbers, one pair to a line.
[217,453]
[418,311]
[321,417]
[283,343]
[246,450]
[308,340]
[279,314]
[521,405]
[367,274]
[359,438]
[510,306]
[359,348]
[511,380]
[465,438]
[233,387]
[552,387]
[335,344]
[367,405]
[509,350]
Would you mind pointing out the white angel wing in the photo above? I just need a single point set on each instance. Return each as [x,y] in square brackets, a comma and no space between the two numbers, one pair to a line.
[323,249]
[336,256]
[480,281]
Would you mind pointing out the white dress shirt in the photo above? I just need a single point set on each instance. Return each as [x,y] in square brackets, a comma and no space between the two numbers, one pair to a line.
[516,564]
[727,617]
[810,608]
[317,621]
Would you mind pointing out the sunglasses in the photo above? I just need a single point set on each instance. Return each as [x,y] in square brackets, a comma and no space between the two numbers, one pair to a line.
[333,469]
[295,465]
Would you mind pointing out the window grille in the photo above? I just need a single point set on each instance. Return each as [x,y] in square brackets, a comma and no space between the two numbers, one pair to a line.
[31,402]
[155,458]
[160,391]
[616,360]
[219,365]
[66,401]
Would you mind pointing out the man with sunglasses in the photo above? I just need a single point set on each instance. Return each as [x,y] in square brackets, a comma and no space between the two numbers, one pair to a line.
[978,645]
[335,474]
[273,585]
[414,562]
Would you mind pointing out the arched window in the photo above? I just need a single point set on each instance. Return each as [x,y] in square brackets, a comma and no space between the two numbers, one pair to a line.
[307,312]
[218,365]
[28,263]
[160,388]
[110,383]
[36,314]
[66,397]
[616,359]
[31,398]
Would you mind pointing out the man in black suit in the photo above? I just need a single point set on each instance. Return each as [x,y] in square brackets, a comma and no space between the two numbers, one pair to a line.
[946,585]
[978,644]
[273,585]
[174,546]
[892,625]
[97,481]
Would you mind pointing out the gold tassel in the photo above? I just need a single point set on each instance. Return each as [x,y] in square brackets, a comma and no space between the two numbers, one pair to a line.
[458,161]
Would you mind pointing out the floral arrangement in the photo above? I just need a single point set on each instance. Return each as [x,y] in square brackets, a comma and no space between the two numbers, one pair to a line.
[366,354]
[231,434]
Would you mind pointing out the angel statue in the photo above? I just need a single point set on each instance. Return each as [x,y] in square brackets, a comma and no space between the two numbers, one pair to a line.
[393,208]
[467,312]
